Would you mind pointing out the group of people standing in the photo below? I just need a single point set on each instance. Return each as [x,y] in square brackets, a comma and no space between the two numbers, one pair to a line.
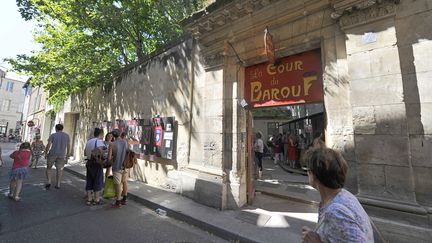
[288,148]
[112,149]
[106,151]
[56,153]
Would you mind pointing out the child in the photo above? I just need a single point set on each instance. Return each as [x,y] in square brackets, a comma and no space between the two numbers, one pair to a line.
[19,170]
[37,149]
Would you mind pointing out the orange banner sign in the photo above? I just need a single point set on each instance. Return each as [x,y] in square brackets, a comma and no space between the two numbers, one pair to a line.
[294,79]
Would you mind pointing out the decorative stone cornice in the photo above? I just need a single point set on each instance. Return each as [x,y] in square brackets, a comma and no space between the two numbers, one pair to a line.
[220,13]
[351,13]
[212,61]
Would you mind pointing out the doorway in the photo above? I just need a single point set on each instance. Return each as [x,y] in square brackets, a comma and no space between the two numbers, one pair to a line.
[286,131]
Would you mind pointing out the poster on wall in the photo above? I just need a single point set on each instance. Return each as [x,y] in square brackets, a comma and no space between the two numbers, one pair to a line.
[106,126]
[158,127]
[168,148]
[122,126]
[134,132]
[147,135]
[294,79]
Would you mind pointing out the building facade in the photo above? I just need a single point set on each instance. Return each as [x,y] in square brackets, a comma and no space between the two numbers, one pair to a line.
[37,116]
[374,75]
[12,97]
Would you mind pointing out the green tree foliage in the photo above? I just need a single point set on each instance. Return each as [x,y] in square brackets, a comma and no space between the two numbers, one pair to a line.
[84,42]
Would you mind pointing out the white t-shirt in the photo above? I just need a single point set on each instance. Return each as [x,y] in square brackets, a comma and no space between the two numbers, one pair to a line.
[259,145]
[90,145]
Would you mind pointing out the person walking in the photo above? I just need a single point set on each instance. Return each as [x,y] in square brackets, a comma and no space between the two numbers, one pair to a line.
[19,172]
[57,152]
[259,151]
[292,151]
[94,150]
[341,217]
[1,160]
[278,148]
[116,154]
[37,148]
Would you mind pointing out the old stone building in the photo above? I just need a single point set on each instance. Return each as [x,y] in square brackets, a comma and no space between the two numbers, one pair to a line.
[374,75]
[11,102]
[37,113]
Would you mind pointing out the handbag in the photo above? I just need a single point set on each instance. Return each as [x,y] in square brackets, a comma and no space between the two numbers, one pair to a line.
[109,190]
[107,163]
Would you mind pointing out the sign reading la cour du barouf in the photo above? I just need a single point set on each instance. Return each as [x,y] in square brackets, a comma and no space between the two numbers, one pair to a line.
[294,79]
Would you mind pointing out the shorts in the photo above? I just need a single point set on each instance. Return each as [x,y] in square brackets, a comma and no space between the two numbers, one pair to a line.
[59,161]
[18,173]
[94,178]
[120,176]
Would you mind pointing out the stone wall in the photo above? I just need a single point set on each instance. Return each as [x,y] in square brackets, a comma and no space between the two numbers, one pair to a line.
[388,81]
[158,86]
[296,27]
[375,74]
[170,83]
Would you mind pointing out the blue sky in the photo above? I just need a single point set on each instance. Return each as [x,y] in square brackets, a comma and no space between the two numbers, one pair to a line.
[15,33]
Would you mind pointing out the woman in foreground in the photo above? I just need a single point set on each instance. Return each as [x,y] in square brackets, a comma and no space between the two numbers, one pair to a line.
[341,218]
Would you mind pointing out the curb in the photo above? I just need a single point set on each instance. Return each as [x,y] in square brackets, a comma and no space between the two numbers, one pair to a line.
[178,215]
[295,199]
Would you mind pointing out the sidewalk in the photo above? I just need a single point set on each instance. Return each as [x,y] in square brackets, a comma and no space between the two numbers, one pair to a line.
[268,220]
[292,185]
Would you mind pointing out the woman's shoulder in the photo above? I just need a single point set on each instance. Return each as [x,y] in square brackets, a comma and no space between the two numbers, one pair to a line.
[345,204]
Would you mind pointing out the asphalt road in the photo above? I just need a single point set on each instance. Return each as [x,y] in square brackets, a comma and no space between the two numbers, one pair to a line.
[62,216]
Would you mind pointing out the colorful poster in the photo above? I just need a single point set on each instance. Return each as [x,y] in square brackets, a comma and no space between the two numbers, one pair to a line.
[291,80]
[134,136]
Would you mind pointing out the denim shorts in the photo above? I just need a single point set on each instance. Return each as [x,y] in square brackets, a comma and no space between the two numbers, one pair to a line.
[94,178]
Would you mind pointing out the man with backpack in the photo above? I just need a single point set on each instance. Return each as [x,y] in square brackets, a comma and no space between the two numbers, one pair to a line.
[117,154]
[94,175]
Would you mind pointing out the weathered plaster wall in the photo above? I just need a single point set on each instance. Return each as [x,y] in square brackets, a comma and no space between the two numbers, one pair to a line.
[159,86]
[172,83]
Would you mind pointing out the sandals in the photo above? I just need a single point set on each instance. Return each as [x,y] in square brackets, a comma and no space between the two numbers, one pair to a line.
[97,203]
[47,186]
[89,203]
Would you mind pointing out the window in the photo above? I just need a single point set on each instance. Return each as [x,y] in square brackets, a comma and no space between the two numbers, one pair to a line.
[5,106]
[272,128]
[20,108]
[9,86]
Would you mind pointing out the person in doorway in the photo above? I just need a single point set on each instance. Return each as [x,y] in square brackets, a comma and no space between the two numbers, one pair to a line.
[278,148]
[19,172]
[37,148]
[318,141]
[57,152]
[341,218]
[301,149]
[292,151]
[94,169]
[117,154]
[259,151]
